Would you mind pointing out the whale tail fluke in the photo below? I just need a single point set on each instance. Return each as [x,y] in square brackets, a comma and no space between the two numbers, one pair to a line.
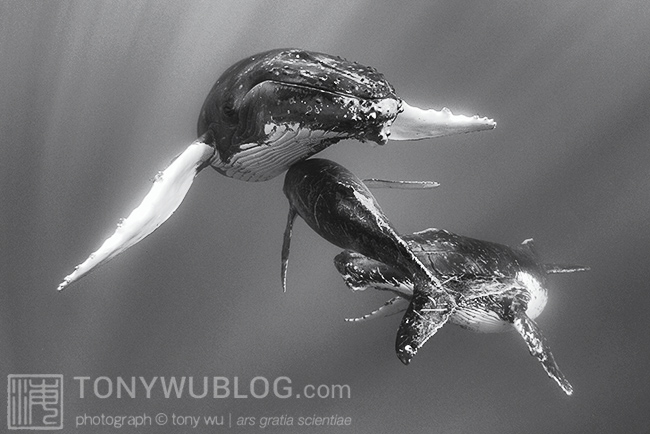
[430,308]
[169,188]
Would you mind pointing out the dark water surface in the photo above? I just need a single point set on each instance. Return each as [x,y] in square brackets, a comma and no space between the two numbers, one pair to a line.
[97,96]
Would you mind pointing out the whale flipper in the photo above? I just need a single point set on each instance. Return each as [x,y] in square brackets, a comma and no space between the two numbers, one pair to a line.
[169,188]
[416,124]
[286,243]
[401,185]
[536,342]
[393,306]
[564,268]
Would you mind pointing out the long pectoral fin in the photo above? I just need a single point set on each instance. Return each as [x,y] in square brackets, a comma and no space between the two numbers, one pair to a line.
[286,243]
[401,185]
[538,347]
[416,124]
[564,268]
[393,306]
[167,193]
[428,311]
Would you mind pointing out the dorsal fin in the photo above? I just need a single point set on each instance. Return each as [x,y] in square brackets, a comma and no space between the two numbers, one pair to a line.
[529,244]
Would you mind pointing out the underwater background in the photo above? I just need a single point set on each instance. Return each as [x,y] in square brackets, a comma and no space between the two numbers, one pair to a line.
[97,96]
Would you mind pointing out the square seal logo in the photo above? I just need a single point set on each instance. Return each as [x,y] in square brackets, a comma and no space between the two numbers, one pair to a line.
[35,401]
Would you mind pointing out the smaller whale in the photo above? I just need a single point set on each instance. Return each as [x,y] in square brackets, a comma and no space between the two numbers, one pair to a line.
[269,111]
[500,287]
[340,208]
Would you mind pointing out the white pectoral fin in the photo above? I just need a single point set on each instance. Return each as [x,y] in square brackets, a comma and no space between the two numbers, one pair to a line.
[538,347]
[167,193]
[416,124]
[399,185]
[564,268]
[393,306]
[286,246]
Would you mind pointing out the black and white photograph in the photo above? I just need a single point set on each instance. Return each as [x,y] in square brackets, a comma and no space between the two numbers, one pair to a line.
[325,217]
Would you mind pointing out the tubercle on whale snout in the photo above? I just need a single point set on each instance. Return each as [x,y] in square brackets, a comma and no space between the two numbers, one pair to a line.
[317,92]
[292,68]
